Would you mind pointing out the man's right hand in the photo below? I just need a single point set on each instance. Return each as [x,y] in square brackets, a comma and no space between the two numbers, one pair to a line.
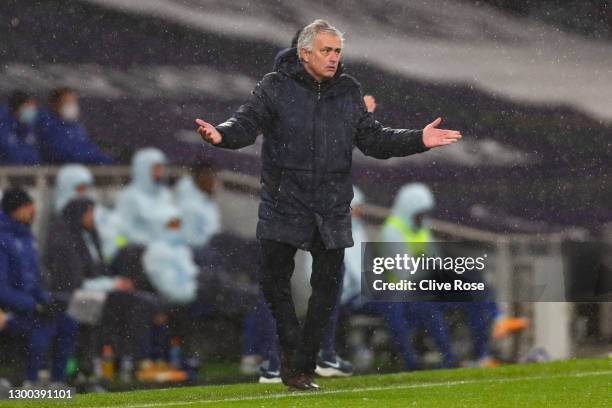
[208,132]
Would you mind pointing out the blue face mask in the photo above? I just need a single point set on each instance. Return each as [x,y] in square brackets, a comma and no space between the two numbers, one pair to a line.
[28,115]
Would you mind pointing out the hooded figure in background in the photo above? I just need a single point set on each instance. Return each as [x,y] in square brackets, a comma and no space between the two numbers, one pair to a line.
[74,261]
[409,222]
[168,260]
[76,181]
[141,203]
[74,258]
[200,214]
[73,181]
[406,231]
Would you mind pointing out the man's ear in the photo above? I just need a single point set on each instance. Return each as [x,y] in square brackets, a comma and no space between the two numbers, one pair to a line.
[304,54]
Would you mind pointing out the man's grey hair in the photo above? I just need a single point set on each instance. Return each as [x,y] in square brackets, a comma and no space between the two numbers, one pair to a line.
[308,34]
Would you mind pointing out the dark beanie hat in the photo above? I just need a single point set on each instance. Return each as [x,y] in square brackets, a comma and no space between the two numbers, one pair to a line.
[18,98]
[13,198]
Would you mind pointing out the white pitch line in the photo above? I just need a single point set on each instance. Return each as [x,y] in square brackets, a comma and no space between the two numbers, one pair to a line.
[354,390]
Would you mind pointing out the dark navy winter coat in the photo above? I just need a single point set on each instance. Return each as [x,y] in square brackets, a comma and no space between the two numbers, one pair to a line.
[67,142]
[21,287]
[309,131]
[18,142]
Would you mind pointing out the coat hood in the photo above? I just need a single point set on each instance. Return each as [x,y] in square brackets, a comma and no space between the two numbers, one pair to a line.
[288,63]
[412,199]
[142,163]
[73,212]
[68,179]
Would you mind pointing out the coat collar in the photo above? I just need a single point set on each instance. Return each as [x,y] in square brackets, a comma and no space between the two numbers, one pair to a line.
[289,64]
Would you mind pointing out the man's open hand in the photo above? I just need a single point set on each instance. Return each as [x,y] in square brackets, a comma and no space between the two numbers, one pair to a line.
[208,132]
[370,103]
[433,137]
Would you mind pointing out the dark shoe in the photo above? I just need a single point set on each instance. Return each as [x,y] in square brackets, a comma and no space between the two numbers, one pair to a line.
[302,382]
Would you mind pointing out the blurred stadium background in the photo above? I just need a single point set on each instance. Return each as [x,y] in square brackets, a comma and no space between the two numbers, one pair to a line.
[528,83]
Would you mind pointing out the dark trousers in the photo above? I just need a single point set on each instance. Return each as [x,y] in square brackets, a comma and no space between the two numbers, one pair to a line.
[58,334]
[300,344]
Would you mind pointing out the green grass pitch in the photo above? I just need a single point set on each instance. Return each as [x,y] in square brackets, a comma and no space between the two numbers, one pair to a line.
[575,383]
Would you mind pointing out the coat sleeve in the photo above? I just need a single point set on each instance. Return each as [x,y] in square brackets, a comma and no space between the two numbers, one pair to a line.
[10,297]
[255,115]
[163,268]
[382,142]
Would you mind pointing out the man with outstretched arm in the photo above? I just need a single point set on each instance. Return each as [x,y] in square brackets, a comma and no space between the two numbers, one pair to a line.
[311,115]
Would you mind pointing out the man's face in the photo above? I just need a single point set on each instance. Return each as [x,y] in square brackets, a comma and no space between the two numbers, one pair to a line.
[420,218]
[207,183]
[322,62]
[68,107]
[88,219]
[158,172]
[25,214]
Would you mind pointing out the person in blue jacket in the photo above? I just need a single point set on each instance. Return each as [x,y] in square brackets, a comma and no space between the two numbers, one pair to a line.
[35,316]
[18,141]
[62,138]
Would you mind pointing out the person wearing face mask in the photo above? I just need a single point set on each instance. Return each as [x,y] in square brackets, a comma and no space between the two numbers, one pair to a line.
[189,290]
[19,141]
[63,138]
[139,204]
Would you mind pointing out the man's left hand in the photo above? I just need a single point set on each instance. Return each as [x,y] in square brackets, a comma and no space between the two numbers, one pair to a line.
[434,137]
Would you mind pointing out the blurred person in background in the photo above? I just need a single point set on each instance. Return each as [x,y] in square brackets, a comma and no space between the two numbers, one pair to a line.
[19,142]
[74,262]
[37,317]
[200,214]
[62,138]
[76,181]
[409,223]
[406,230]
[312,115]
[192,291]
[147,195]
